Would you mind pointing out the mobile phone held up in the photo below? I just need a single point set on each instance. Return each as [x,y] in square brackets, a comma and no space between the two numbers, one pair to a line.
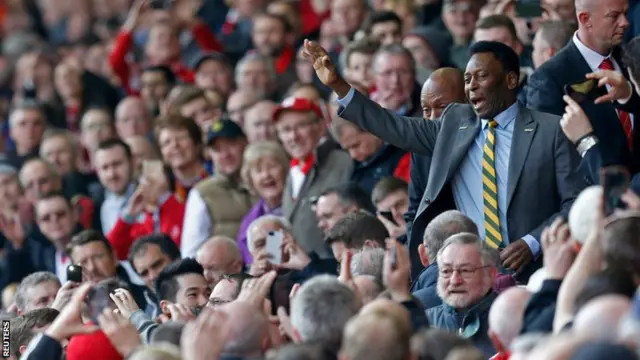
[615,181]
[74,273]
[274,247]
[388,215]
[581,91]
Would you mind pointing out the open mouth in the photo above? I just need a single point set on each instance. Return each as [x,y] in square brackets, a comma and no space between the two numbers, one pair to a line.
[268,184]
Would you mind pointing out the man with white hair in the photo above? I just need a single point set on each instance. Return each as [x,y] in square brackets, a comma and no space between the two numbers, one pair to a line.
[258,122]
[249,332]
[600,318]
[506,317]
[583,214]
[219,256]
[467,268]
[321,309]
[256,73]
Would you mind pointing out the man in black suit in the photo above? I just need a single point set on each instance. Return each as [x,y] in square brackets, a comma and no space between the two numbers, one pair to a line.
[594,47]
[509,169]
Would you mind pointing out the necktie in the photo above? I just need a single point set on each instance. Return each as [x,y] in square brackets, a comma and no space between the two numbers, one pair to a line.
[492,236]
[624,116]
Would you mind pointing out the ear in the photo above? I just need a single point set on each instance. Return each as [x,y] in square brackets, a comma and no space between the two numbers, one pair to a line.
[584,19]
[497,344]
[164,307]
[513,80]
[550,52]
[422,252]
[237,266]
[22,349]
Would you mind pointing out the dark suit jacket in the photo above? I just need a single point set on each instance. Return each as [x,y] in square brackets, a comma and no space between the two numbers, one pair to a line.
[542,178]
[420,165]
[545,88]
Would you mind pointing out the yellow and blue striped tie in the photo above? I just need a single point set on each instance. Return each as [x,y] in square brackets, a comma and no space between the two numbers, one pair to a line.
[493,237]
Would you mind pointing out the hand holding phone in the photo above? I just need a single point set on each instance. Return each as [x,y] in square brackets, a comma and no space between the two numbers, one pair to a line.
[389,216]
[615,181]
[274,246]
[581,91]
[96,302]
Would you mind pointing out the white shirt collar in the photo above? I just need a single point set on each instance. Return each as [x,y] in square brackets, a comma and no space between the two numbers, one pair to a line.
[592,58]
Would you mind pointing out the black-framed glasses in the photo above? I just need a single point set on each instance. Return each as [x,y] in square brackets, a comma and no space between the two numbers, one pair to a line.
[466,272]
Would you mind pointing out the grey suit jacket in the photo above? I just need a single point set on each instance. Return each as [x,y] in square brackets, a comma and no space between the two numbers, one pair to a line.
[333,167]
[542,179]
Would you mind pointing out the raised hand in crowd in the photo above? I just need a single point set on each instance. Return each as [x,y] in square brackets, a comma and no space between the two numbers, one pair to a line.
[396,271]
[255,291]
[294,256]
[286,328]
[64,295]
[205,338]
[69,322]
[134,17]
[325,68]
[395,231]
[181,312]
[574,123]
[125,303]
[620,89]
[261,264]
[558,248]
[120,331]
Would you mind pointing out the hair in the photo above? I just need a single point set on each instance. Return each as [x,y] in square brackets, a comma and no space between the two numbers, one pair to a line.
[354,229]
[255,152]
[248,329]
[167,281]
[255,57]
[556,33]
[266,219]
[387,186]
[621,242]
[97,109]
[60,133]
[175,121]
[379,17]
[611,281]
[338,124]
[394,49]
[163,241]
[321,309]
[305,351]
[54,195]
[22,328]
[302,85]
[489,256]
[158,351]
[169,332]
[465,353]
[288,28]
[112,143]
[239,279]
[368,261]
[375,336]
[503,53]
[364,46]
[497,21]
[26,105]
[88,236]
[32,281]
[184,95]
[435,344]
[444,226]
[166,71]
[52,169]
[351,194]
[231,247]
[631,57]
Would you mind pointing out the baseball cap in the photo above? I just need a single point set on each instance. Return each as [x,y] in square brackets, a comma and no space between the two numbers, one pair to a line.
[215,56]
[297,104]
[224,128]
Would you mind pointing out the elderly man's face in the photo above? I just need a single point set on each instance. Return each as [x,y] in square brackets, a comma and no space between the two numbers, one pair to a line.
[255,77]
[59,152]
[394,78]
[217,262]
[463,279]
[37,180]
[299,133]
[259,236]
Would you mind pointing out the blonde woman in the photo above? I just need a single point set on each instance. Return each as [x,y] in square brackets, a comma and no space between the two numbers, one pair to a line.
[264,171]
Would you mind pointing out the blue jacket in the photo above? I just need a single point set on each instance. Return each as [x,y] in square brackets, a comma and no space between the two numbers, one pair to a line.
[425,288]
[472,324]
[381,164]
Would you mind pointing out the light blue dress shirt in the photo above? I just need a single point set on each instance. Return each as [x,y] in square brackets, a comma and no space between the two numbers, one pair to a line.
[467,182]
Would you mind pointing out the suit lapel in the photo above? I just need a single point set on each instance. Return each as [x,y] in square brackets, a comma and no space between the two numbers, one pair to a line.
[523,133]
[466,134]
[288,203]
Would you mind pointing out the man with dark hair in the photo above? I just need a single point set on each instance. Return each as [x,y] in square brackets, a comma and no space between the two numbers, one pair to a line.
[93,253]
[338,201]
[355,62]
[156,82]
[384,27]
[492,126]
[114,167]
[182,282]
[391,199]
[355,231]
[25,327]
[551,37]
[213,71]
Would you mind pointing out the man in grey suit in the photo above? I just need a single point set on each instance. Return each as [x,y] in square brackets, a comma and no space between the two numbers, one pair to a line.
[510,169]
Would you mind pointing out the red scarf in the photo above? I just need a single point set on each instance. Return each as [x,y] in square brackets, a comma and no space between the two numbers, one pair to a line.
[305,165]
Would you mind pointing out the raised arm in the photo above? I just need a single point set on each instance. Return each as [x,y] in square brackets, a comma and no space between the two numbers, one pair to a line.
[411,134]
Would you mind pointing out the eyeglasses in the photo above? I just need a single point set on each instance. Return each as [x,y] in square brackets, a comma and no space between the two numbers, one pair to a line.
[286,130]
[464,272]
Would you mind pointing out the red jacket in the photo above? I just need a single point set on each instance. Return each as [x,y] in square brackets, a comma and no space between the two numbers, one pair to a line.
[126,71]
[170,215]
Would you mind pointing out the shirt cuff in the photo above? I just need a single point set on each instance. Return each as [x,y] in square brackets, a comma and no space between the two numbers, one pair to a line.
[533,244]
[624,101]
[345,101]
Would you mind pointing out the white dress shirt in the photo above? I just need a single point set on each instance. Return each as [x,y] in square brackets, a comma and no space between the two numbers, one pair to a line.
[112,208]
[197,224]
[297,180]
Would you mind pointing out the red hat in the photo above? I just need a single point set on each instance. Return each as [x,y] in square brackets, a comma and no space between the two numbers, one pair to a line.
[297,104]
[95,346]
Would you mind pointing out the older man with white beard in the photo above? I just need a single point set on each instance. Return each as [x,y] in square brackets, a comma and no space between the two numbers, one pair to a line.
[466,273]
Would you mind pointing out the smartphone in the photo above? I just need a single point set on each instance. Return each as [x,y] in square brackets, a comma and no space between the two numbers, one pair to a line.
[96,302]
[74,273]
[581,91]
[528,9]
[388,215]
[274,246]
[161,4]
[394,257]
[153,169]
[615,181]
